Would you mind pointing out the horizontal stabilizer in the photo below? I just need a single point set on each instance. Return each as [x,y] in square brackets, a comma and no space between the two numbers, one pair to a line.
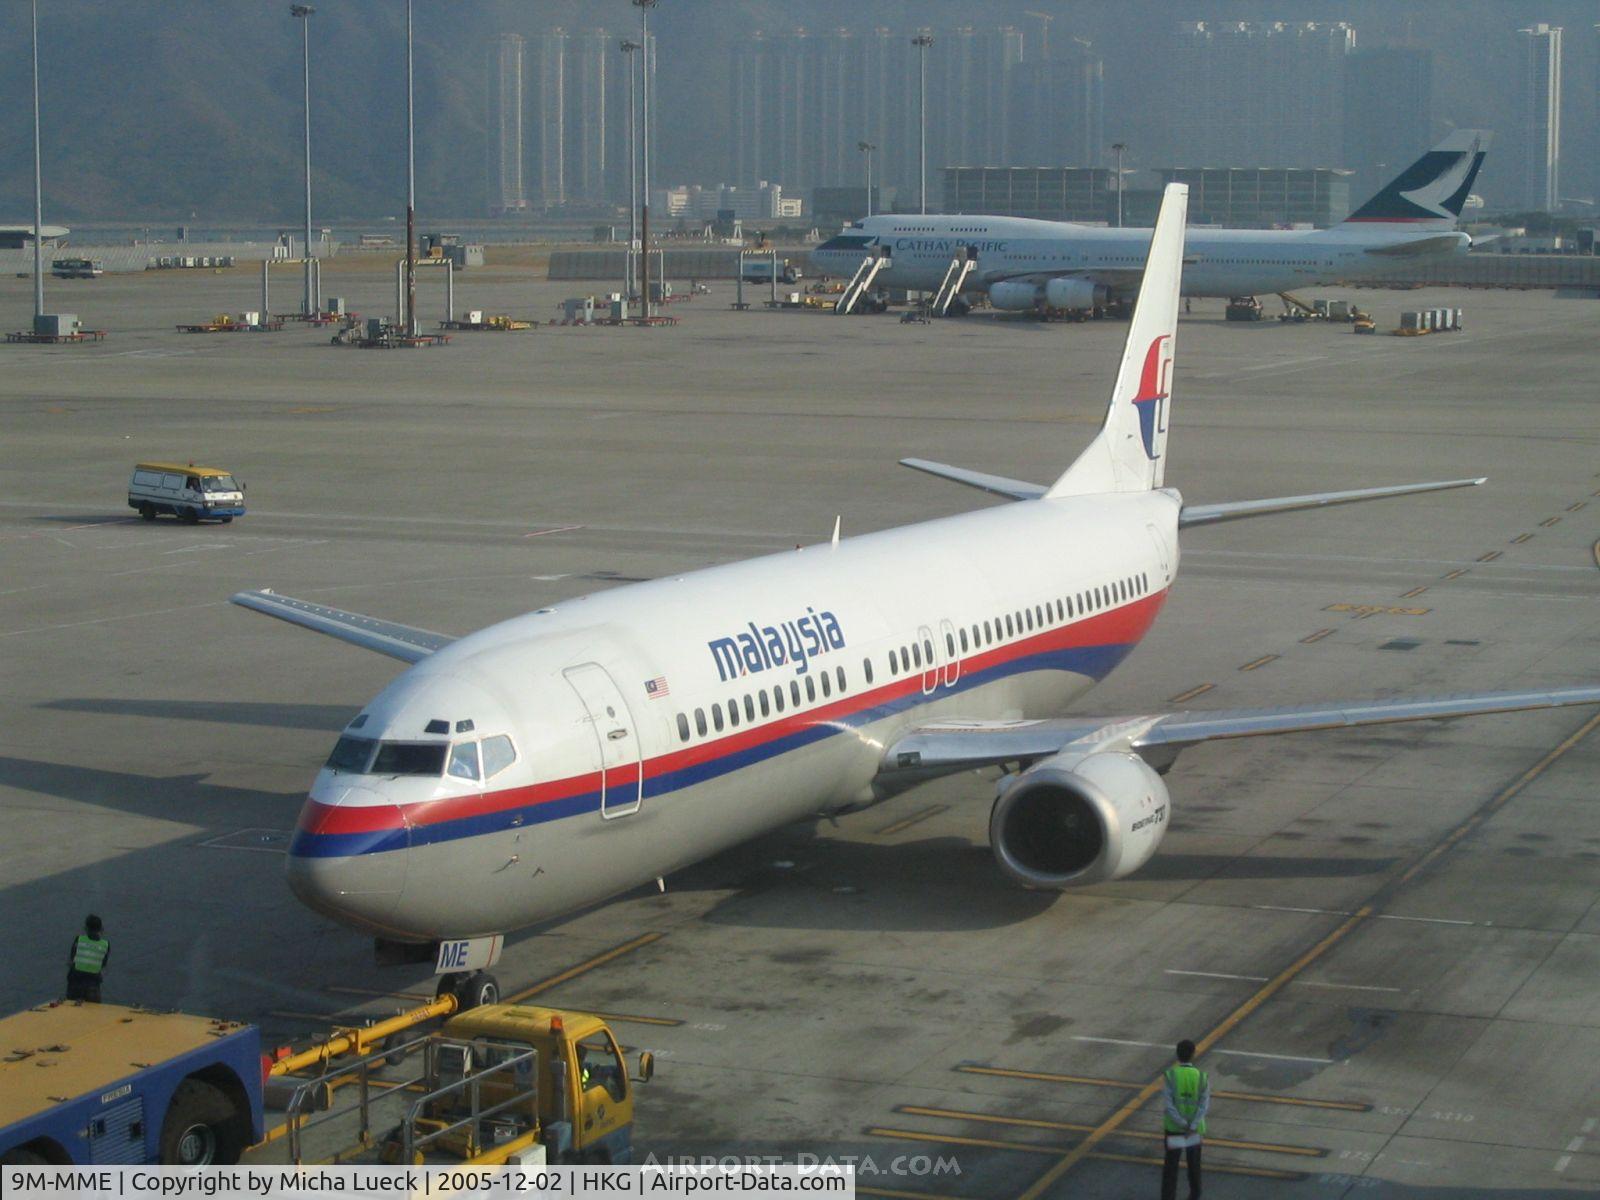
[405,642]
[1015,489]
[1211,514]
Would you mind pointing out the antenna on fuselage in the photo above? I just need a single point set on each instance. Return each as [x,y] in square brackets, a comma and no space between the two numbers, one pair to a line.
[837,522]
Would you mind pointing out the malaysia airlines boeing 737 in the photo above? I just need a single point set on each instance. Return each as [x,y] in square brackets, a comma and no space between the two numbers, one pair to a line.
[1024,265]
[566,756]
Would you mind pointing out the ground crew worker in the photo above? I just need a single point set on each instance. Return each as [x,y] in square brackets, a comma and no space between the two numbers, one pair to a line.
[1185,1098]
[86,961]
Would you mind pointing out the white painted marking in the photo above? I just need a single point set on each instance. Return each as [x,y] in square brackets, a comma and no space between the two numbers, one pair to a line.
[1282,1057]
[194,549]
[1424,920]
[1219,975]
[1322,912]
[550,578]
[1119,1042]
[1563,1162]
[1286,362]
[547,532]
[1588,1126]
[1575,1145]
[1354,987]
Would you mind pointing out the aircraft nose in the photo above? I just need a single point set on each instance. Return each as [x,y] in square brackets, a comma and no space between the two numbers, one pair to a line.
[347,858]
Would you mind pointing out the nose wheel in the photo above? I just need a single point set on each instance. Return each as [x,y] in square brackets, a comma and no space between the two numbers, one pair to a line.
[471,989]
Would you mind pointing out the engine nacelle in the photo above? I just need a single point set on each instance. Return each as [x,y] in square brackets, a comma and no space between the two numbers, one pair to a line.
[1074,295]
[1014,297]
[1079,819]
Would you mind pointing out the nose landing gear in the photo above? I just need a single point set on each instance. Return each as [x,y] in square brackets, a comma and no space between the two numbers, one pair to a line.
[471,989]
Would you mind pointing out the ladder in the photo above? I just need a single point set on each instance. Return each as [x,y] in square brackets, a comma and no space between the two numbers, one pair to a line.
[861,281]
[955,277]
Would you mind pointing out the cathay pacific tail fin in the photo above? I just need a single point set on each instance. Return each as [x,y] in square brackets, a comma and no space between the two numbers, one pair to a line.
[1129,452]
[1431,192]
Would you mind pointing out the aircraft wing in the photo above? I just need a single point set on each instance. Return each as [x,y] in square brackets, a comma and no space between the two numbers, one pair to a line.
[404,642]
[948,747]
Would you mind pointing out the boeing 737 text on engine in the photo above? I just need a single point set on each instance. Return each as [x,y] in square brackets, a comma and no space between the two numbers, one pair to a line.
[566,756]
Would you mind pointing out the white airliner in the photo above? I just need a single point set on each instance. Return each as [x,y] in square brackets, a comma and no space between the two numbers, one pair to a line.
[563,757]
[1024,265]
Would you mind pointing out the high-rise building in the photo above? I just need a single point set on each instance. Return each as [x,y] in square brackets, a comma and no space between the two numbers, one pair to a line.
[1540,104]
[1246,93]
[580,117]
[506,190]
[1388,114]
[1058,108]
[551,118]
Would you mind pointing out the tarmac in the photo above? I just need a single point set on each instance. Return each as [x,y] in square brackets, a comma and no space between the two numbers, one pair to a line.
[1387,941]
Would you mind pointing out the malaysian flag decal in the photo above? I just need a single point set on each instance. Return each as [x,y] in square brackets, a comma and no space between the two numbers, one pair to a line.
[657,687]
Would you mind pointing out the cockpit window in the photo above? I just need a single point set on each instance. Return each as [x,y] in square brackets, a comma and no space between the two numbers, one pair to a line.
[352,754]
[498,754]
[410,758]
[464,760]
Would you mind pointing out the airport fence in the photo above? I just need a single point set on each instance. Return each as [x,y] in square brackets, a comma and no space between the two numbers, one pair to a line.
[1517,271]
[144,256]
[714,263]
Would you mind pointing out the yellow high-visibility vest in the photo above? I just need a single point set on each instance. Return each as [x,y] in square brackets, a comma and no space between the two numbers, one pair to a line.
[89,954]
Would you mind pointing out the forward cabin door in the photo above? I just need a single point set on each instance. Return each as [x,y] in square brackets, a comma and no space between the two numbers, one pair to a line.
[616,738]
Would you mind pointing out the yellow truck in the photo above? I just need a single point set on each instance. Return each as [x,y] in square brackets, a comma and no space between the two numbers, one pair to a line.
[494,1084]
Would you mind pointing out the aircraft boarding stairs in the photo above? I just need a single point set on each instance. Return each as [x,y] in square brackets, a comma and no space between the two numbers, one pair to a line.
[955,278]
[861,281]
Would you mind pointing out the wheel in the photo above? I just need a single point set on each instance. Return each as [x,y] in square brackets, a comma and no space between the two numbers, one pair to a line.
[200,1128]
[476,990]
[191,516]
[227,520]
[147,512]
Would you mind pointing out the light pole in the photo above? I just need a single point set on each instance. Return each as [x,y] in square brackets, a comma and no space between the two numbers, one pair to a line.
[644,7]
[38,184]
[867,148]
[411,185]
[922,41]
[1118,148]
[628,49]
[309,303]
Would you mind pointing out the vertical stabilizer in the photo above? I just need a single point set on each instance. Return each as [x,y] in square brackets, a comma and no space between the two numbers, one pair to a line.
[1431,192]
[1129,452]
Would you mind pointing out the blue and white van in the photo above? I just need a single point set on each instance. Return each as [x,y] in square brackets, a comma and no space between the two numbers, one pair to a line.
[186,491]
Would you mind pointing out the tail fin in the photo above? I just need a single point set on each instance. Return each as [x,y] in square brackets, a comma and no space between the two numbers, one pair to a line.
[1430,193]
[1129,452]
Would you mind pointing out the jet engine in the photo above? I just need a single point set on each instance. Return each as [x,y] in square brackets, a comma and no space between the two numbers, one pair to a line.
[1072,295]
[1014,297]
[1072,820]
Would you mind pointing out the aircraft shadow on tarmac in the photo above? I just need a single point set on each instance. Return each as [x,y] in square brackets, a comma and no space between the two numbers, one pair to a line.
[328,717]
[186,798]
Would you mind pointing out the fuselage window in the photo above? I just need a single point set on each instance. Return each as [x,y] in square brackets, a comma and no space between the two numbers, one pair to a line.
[866,669]
[499,753]
[733,713]
[838,673]
[1010,630]
[777,697]
[766,704]
[827,685]
[988,634]
[811,690]
[916,654]
[927,651]
[749,708]
[716,716]
[700,721]
[683,728]
[464,760]
[1038,613]
[894,664]
[977,635]
[963,640]
[794,692]
[950,644]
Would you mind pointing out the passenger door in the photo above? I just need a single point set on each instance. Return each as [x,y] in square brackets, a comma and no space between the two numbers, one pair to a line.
[930,660]
[952,661]
[616,738]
